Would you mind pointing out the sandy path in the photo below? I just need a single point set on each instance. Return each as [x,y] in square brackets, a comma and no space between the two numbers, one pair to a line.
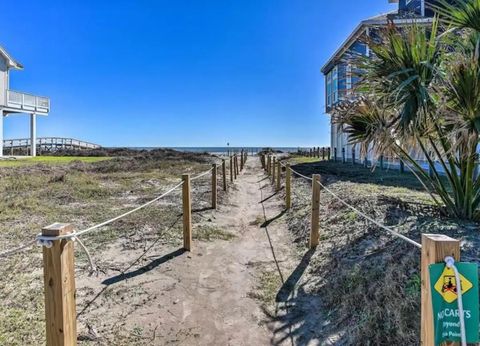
[202,298]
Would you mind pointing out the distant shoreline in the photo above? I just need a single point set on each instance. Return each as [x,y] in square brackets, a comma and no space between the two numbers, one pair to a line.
[214,150]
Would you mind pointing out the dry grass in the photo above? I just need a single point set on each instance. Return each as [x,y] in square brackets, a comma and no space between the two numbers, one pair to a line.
[49,160]
[368,280]
[84,193]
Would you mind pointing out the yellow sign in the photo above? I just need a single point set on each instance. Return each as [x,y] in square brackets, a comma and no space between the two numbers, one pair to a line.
[447,285]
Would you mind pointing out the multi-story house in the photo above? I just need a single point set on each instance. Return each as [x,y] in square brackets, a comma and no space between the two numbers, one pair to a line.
[14,102]
[340,81]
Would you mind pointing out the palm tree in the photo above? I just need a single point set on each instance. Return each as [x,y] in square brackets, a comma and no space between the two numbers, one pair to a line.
[421,95]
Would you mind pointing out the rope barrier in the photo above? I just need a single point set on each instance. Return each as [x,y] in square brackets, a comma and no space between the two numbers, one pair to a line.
[17,249]
[301,175]
[201,175]
[48,241]
[388,229]
[43,239]
[450,262]
[93,268]
[431,241]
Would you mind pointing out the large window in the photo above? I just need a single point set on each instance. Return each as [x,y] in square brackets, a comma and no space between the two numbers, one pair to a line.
[332,87]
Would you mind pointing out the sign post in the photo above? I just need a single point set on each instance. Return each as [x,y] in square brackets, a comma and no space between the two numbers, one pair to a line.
[446,315]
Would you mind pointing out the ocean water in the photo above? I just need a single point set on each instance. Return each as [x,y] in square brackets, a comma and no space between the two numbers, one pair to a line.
[221,150]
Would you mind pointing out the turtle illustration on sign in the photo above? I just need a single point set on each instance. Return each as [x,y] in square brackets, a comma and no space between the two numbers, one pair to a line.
[449,284]
[446,285]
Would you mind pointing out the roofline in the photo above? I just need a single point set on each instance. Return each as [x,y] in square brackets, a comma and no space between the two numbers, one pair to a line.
[359,30]
[11,61]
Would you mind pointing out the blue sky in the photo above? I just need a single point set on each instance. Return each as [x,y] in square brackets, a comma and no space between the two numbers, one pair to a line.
[179,73]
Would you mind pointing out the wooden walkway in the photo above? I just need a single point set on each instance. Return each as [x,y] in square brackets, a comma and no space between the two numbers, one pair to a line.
[21,146]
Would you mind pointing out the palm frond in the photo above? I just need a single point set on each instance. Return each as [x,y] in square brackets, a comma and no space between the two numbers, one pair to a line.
[402,70]
[464,14]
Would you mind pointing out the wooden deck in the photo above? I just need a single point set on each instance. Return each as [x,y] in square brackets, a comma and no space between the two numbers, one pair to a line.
[22,146]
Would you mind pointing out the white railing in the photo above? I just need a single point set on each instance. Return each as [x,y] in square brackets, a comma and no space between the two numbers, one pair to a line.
[27,102]
[49,143]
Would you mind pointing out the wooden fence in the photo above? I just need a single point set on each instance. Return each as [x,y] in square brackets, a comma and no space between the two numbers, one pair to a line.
[434,247]
[58,256]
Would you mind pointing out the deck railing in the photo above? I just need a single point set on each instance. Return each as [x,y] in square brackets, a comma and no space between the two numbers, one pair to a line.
[47,144]
[28,102]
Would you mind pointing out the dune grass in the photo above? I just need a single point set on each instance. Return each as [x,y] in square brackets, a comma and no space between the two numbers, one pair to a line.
[304,159]
[84,193]
[49,160]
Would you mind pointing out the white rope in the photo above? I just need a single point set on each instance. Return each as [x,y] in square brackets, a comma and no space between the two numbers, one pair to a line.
[391,231]
[450,262]
[17,249]
[201,175]
[93,268]
[301,175]
[44,240]
[388,229]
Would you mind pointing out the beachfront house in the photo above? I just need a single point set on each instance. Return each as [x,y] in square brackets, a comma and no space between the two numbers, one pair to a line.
[15,102]
[340,81]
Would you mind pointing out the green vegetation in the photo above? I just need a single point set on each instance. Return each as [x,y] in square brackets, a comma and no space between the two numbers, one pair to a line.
[210,233]
[421,94]
[269,283]
[368,280]
[84,192]
[49,160]
[304,159]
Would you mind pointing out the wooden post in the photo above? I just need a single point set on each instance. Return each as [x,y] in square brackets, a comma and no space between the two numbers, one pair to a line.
[59,283]
[402,166]
[288,187]
[235,162]
[214,186]
[234,167]
[279,176]
[237,167]
[269,164]
[323,154]
[335,154]
[435,248]
[241,160]
[274,166]
[187,213]
[315,224]
[224,175]
[381,162]
[353,155]
[231,169]
[343,155]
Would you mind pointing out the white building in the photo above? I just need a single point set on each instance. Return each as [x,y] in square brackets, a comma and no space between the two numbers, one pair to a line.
[15,103]
[340,81]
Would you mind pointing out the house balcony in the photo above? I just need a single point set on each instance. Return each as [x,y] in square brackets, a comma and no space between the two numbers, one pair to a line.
[27,103]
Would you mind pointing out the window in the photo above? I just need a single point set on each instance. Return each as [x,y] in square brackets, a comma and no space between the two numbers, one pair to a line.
[329,89]
[349,79]
[335,84]
[332,87]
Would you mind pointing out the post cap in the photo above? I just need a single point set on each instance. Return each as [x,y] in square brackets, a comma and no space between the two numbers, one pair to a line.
[439,237]
[57,229]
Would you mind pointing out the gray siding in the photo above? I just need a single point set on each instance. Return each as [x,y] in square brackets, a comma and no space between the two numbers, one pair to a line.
[3,80]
